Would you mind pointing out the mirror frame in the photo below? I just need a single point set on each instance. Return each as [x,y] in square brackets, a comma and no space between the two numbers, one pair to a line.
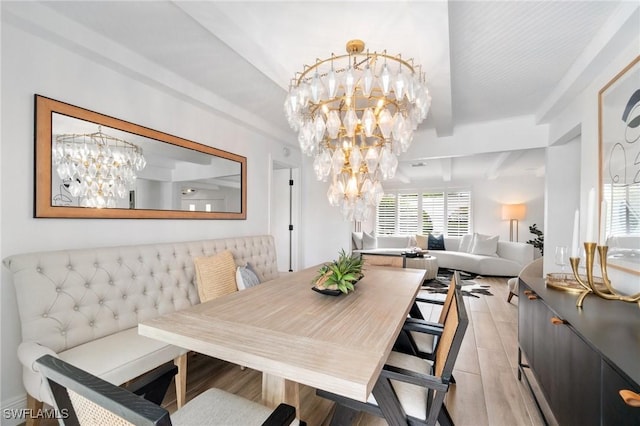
[43,208]
[605,146]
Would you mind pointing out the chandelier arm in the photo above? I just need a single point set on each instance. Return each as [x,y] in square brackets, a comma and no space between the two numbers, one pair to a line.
[72,138]
[366,57]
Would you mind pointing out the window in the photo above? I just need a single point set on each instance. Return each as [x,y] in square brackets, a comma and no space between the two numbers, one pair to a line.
[458,206]
[427,213]
[408,214]
[432,213]
[386,215]
[622,219]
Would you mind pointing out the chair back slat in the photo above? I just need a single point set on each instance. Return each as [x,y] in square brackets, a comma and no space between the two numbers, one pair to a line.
[90,413]
[447,300]
[455,325]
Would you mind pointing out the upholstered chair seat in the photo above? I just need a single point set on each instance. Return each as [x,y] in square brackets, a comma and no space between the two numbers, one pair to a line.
[413,398]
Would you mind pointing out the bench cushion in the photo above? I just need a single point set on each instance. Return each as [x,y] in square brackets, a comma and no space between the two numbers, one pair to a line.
[116,358]
[122,356]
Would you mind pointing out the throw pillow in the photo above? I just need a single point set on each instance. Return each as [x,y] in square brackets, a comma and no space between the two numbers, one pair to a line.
[356,238]
[255,271]
[465,243]
[422,241]
[246,278]
[485,245]
[369,241]
[436,243]
[215,275]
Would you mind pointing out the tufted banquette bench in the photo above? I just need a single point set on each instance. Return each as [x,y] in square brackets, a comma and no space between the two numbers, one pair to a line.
[84,306]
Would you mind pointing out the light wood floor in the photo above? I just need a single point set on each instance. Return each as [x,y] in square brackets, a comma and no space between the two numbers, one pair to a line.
[487,390]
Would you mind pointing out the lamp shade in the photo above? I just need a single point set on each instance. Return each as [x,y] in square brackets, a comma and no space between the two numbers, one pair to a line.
[513,211]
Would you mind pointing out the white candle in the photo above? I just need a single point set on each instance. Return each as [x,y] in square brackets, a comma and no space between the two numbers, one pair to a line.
[575,246]
[591,215]
[603,224]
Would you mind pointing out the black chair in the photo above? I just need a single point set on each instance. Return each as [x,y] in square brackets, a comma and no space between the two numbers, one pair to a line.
[420,337]
[84,399]
[411,390]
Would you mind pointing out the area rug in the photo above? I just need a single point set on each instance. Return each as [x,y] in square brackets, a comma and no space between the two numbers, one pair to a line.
[469,286]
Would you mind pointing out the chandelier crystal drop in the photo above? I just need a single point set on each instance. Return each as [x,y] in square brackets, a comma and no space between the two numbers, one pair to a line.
[98,168]
[355,114]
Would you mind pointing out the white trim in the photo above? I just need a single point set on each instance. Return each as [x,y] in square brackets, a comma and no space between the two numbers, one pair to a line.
[13,405]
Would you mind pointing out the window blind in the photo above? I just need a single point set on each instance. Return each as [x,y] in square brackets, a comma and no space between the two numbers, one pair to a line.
[407,214]
[432,213]
[386,215]
[623,216]
[436,212]
[458,208]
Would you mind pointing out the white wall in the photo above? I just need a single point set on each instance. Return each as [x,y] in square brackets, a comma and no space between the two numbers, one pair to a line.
[30,65]
[584,113]
[562,199]
[488,196]
[323,231]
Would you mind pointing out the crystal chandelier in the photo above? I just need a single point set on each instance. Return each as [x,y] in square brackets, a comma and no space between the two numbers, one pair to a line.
[97,166]
[356,113]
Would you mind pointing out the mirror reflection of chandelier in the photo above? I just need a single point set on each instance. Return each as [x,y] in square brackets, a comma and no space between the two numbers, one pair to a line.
[356,113]
[98,167]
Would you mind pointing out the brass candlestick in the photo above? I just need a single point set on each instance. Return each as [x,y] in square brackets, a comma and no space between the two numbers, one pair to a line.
[590,286]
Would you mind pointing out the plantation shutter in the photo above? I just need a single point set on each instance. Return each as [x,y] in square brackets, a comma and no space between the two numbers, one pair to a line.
[447,213]
[386,215]
[432,213]
[634,208]
[623,215]
[458,213]
[407,214]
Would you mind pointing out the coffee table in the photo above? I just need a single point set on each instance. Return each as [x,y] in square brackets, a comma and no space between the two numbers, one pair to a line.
[428,263]
[400,259]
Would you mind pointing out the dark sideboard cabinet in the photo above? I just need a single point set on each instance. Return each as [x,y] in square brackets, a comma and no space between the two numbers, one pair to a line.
[581,358]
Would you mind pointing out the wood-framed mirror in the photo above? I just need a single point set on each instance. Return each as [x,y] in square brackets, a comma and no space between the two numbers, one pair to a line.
[90,165]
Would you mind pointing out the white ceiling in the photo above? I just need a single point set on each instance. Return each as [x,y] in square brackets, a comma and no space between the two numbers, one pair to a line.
[484,60]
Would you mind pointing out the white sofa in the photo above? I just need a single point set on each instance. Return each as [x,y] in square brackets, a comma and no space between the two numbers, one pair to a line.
[510,257]
[84,306]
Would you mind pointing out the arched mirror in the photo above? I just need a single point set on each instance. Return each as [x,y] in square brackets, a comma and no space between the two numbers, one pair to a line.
[90,165]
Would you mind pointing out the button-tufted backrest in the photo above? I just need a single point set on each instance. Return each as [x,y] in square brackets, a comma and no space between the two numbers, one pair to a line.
[66,298]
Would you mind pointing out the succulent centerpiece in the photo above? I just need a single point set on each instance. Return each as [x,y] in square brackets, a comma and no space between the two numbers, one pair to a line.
[338,276]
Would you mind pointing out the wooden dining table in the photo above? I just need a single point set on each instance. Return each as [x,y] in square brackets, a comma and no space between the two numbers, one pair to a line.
[295,335]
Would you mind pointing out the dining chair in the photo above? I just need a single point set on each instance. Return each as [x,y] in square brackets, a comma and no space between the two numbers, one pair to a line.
[418,336]
[410,389]
[84,399]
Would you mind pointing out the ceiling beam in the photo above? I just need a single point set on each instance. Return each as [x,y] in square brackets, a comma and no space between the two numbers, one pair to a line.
[445,163]
[494,171]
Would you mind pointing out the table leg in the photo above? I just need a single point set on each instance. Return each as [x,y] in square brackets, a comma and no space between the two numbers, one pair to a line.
[277,389]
